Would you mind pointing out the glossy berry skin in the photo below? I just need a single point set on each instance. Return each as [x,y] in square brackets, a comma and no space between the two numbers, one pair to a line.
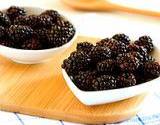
[126,80]
[152,68]
[99,53]
[31,44]
[13,12]
[106,66]
[84,80]
[19,33]
[53,14]
[127,62]
[116,47]
[140,49]
[103,42]
[2,32]
[4,20]
[84,46]
[77,61]
[122,38]
[104,82]
[58,36]
[146,42]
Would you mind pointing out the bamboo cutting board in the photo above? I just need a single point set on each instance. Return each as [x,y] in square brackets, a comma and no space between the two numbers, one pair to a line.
[41,90]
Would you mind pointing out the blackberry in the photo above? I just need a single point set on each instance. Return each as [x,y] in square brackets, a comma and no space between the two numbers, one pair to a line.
[106,66]
[58,36]
[21,20]
[122,37]
[7,43]
[42,21]
[84,46]
[30,20]
[2,32]
[84,80]
[138,56]
[149,58]
[53,14]
[31,44]
[136,48]
[152,68]
[126,80]
[116,47]
[146,42]
[77,61]
[104,82]
[99,53]
[128,62]
[102,42]
[42,36]
[4,20]
[14,12]
[19,33]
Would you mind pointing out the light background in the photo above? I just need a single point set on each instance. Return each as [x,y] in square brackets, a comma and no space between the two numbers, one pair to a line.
[102,24]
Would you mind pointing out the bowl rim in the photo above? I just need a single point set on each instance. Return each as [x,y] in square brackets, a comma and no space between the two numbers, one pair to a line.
[50,49]
[110,90]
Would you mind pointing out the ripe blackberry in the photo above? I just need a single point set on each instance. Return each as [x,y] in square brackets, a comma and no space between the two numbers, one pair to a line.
[128,62]
[2,32]
[99,53]
[116,47]
[126,80]
[146,42]
[149,58]
[122,37]
[104,82]
[19,33]
[7,43]
[77,61]
[136,48]
[42,36]
[58,36]
[53,14]
[4,20]
[84,46]
[30,20]
[14,12]
[43,21]
[31,44]
[84,80]
[152,68]
[138,56]
[102,42]
[106,66]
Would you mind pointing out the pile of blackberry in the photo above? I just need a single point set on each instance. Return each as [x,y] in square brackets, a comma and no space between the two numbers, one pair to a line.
[33,32]
[112,63]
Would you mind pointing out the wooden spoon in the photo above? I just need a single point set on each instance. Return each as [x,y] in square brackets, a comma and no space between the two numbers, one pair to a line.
[106,5]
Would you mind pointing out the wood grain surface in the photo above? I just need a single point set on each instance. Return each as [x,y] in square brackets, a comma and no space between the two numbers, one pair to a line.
[41,90]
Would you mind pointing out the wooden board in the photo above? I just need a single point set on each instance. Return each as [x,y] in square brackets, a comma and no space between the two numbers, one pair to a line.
[41,90]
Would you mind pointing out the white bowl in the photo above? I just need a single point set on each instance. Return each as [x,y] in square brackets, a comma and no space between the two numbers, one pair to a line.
[33,56]
[108,96]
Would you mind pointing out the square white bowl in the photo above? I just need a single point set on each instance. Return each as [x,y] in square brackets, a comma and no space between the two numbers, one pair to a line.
[109,96]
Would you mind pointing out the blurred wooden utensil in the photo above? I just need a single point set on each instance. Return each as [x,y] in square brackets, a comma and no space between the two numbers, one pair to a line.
[106,5]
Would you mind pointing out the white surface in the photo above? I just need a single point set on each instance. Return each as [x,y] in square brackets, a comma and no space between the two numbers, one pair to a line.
[33,56]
